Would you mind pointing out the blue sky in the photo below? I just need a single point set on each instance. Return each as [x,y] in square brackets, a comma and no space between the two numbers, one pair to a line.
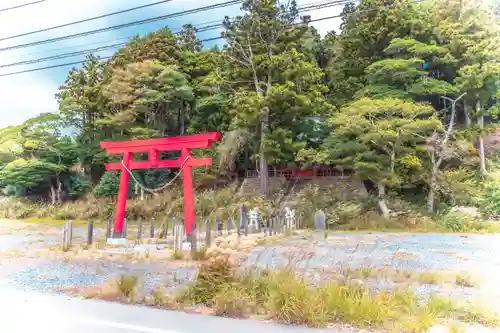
[26,95]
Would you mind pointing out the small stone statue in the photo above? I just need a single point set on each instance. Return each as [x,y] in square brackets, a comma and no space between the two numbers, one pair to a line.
[254,219]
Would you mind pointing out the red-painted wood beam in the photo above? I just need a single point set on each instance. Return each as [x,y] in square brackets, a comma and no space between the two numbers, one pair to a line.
[158,147]
[173,143]
[134,165]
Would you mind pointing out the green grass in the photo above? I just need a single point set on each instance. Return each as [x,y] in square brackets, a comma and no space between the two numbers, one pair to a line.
[395,275]
[372,221]
[465,280]
[199,254]
[126,285]
[270,239]
[282,296]
[52,221]
[122,288]
[177,255]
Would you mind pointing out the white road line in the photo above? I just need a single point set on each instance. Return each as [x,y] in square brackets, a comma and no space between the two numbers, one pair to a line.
[123,326]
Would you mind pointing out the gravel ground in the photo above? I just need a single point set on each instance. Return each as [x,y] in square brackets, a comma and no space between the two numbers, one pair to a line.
[311,253]
[473,255]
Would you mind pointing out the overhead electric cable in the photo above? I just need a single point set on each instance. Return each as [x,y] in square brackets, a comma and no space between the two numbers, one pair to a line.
[125,25]
[203,40]
[203,27]
[49,67]
[21,6]
[84,20]
[104,58]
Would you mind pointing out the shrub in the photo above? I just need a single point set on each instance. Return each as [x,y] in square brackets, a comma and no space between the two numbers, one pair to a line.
[456,221]
[212,277]
[126,285]
[109,184]
[199,254]
[232,300]
[292,301]
[491,193]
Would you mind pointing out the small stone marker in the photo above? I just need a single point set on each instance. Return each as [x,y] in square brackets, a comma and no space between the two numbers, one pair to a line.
[290,225]
[178,232]
[244,220]
[254,219]
[319,220]
[90,232]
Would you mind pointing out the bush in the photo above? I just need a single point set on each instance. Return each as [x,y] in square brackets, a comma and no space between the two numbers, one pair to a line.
[233,301]
[212,277]
[76,185]
[292,301]
[126,285]
[343,212]
[109,184]
[491,193]
[457,221]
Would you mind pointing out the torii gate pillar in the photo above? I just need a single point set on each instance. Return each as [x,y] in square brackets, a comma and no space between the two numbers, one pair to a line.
[153,146]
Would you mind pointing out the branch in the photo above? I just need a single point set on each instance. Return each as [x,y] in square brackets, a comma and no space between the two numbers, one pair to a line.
[449,131]
[248,57]
[241,62]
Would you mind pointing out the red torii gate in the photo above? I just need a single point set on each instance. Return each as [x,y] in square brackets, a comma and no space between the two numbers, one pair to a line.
[153,147]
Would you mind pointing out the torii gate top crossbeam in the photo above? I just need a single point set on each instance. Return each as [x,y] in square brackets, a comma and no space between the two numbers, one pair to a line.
[153,146]
[163,144]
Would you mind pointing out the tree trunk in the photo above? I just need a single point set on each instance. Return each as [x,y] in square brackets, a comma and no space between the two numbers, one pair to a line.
[382,202]
[467,114]
[264,174]
[431,195]
[182,119]
[52,193]
[58,191]
[480,122]
[430,200]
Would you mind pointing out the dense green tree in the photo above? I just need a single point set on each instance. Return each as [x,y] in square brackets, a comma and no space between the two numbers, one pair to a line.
[276,87]
[81,104]
[152,99]
[381,140]
[160,45]
[366,32]
[41,157]
[187,39]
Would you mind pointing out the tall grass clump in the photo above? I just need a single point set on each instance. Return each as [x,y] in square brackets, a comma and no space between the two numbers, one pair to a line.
[285,297]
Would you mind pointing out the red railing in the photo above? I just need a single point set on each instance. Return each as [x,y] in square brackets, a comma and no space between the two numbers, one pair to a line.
[292,173]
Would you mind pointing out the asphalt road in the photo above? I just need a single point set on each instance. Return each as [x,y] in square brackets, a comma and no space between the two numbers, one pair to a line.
[27,312]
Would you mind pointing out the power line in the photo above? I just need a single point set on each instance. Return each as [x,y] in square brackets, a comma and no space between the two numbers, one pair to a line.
[307,22]
[125,25]
[104,58]
[201,27]
[204,27]
[21,6]
[48,67]
[62,56]
[85,20]
[204,40]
